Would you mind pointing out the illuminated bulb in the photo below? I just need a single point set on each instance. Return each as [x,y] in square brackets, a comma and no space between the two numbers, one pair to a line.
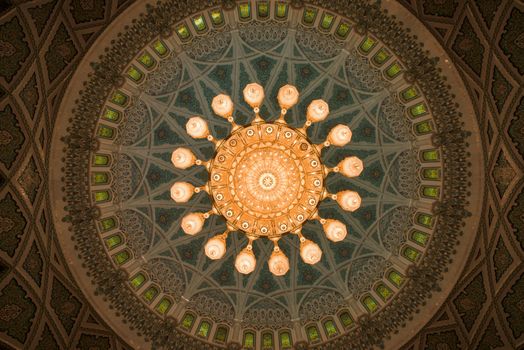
[215,247]
[278,263]
[192,223]
[197,128]
[245,262]
[222,105]
[254,94]
[340,135]
[317,111]
[183,158]
[349,200]
[335,230]
[181,192]
[351,167]
[310,252]
[287,96]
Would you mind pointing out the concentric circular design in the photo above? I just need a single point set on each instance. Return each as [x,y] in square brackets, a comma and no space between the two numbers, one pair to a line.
[266,179]
[132,113]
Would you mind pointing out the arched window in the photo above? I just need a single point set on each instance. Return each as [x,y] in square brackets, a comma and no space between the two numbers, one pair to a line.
[122,257]
[99,178]
[108,223]
[113,241]
[150,294]
[244,11]
[101,160]
[330,328]
[267,341]
[346,319]
[383,291]
[221,334]
[370,303]
[164,305]
[138,280]
[396,278]
[204,328]
[285,339]
[410,253]
[187,321]
[249,340]
[310,14]
[313,334]
[101,196]
[419,237]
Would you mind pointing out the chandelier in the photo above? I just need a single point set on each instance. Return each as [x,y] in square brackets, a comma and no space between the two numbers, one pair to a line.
[266,179]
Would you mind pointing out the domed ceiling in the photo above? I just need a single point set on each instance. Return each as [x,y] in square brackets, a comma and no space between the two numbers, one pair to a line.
[125,111]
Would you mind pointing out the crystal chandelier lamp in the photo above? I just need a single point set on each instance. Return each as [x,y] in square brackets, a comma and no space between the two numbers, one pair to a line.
[266,179]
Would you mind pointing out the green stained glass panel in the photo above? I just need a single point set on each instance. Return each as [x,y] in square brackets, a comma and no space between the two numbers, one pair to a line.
[203,329]
[418,110]
[111,114]
[281,9]
[285,340]
[244,11]
[135,74]
[396,278]
[106,132]
[147,60]
[221,335]
[267,341]
[343,29]
[217,17]
[431,173]
[309,15]
[368,44]
[425,220]
[163,306]
[138,281]
[200,23]
[370,304]
[108,224]
[430,191]
[409,94]
[327,21]
[119,98]
[393,70]
[113,241]
[384,292]
[381,56]
[263,9]
[183,32]
[102,196]
[346,319]
[150,294]
[101,160]
[313,334]
[249,340]
[331,328]
[121,257]
[160,48]
[423,127]
[419,237]
[100,178]
[188,321]
[430,155]
[410,253]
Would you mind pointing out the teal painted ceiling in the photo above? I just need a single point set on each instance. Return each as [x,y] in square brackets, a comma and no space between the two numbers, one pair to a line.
[184,85]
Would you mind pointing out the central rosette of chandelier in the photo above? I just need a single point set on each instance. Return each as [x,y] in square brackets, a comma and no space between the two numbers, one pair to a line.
[266,179]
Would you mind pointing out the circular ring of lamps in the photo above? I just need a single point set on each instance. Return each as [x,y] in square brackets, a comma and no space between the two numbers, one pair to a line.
[266,179]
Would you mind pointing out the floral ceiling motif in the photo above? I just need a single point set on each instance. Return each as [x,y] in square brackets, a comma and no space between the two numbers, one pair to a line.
[133,113]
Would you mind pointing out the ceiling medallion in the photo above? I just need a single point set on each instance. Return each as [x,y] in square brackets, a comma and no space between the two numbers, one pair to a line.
[266,179]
